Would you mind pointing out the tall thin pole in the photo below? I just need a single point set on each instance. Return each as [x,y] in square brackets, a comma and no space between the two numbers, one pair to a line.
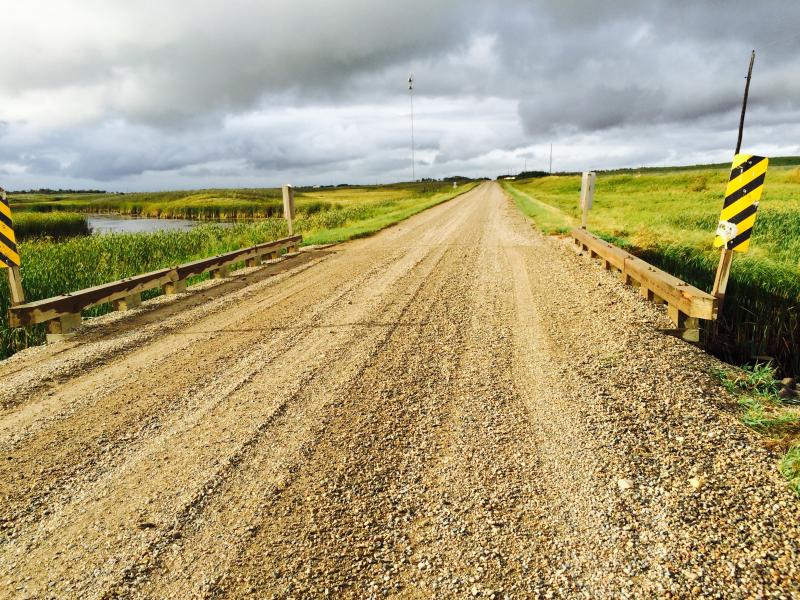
[551,159]
[744,102]
[411,95]
[726,257]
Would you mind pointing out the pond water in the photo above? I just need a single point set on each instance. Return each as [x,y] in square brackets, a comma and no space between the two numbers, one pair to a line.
[122,224]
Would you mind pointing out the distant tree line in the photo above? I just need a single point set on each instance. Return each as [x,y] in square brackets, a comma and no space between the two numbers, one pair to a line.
[49,191]
[532,174]
[451,179]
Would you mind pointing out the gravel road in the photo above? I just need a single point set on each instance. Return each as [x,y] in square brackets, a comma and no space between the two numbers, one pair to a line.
[456,407]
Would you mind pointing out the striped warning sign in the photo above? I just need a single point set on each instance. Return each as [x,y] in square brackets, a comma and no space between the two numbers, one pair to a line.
[8,243]
[741,202]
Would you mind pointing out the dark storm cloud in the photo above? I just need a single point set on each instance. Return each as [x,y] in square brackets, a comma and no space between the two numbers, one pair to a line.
[164,94]
[617,64]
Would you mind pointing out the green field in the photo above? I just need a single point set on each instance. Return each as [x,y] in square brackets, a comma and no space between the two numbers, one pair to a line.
[52,266]
[668,217]
[218,204]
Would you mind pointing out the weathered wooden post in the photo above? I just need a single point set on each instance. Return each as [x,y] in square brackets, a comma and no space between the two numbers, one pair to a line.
[288,206]
[9,255]
[587,193]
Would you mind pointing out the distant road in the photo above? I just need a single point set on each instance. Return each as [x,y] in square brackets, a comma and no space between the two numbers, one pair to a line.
[455,407]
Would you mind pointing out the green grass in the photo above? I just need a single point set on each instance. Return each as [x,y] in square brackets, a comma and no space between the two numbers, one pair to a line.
[360,221]
[763,410]
[790,468]
[766,416]
[549,218]
[756,379]
[29,225]
[668,217]
[51,267]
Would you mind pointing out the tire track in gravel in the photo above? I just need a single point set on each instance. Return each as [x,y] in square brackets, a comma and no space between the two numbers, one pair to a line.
[489,529]
[109,440]
[93,350]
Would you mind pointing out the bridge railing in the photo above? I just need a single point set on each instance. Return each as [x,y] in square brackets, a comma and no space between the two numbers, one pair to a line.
[686,304]
[62,314]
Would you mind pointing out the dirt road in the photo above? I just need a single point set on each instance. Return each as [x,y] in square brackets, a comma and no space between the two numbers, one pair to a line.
[456,407]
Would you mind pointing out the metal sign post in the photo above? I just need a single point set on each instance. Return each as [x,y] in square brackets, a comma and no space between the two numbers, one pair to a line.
[9,255]
[741,202]
[288,205]
[587,194]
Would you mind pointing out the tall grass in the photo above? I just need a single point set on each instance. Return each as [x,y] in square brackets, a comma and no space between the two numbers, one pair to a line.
[29,225]
[669,218]
[52,267]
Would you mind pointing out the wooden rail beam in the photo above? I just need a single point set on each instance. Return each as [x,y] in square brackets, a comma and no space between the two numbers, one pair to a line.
[226,260]
[41,311]
[686,304]
[62,313]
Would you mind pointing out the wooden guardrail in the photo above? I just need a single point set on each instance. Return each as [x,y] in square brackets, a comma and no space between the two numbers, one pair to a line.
[686,304]
[63,313]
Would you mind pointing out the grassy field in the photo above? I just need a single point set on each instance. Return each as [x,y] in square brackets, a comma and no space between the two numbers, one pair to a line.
[668,217]
[218,204]
[51,267]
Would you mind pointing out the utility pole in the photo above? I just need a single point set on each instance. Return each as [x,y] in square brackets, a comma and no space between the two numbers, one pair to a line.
[551,159]
[411,95]
[725,259]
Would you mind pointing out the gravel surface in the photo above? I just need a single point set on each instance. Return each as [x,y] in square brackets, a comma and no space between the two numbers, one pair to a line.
[456,407]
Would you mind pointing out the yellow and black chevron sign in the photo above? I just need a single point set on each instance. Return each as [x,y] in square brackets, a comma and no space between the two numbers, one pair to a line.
[9,256]
[741,202]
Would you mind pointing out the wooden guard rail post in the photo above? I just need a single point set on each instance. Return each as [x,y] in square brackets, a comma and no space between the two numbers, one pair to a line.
[63,313]
[686,304]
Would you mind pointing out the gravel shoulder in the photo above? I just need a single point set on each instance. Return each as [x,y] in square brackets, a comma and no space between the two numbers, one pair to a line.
[455,407]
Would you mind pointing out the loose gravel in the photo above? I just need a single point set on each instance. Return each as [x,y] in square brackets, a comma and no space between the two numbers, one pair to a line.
[456,407]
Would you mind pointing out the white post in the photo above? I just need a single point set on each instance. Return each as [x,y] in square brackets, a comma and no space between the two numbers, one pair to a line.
[288,205]
[587,194]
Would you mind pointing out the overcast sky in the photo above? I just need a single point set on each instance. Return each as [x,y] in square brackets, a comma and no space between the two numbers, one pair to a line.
[160,94]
